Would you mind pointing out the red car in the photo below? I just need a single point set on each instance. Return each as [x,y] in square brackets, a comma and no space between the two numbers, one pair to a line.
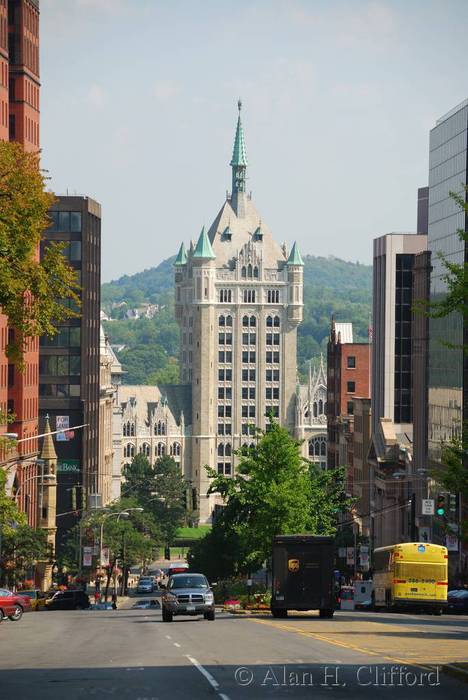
[13,605]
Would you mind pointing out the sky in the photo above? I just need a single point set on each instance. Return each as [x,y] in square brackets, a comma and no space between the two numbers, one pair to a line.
[139,107]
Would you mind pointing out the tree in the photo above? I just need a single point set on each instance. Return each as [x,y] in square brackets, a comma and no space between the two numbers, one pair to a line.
[20,545]
[33,294]
[275,491]
[159,490]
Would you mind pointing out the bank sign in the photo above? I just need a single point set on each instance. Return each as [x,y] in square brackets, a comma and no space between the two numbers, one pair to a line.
[68,466]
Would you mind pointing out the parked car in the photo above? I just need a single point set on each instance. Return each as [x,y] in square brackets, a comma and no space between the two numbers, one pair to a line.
[37,598]
[457,601]
[68,600]
[145,585]
[13,605]
[188,594]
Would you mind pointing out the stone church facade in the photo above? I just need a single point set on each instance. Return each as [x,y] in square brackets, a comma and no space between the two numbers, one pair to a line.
[238,303]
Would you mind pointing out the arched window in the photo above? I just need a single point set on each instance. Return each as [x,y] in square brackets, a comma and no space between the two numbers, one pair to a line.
[126,429]
[160,449]
[222,320]
[145,449]
[255,272]
[228,451]
[320,407]
[160,428]
[323,449]
[317,448]
[252,446]
[245,320]
[244,272]
[249,271]
[221,450]
[315,409]
[269,322]
[175,449]
[129,450]
[229,321]
[253,321]
[276,321]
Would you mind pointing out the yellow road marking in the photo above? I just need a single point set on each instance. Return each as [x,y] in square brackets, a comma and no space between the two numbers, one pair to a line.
[306,633]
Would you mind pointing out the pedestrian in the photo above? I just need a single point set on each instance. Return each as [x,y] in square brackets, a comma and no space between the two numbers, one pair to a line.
[97,597]
[114,601]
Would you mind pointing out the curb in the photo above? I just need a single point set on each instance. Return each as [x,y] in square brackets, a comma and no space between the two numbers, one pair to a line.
[456,672]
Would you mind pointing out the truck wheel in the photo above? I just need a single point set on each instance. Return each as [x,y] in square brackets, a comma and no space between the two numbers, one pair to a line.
[166,615]
[326,613]
[279,612]
[210,615]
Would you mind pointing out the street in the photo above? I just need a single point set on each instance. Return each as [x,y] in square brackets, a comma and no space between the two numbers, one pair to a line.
[132,655]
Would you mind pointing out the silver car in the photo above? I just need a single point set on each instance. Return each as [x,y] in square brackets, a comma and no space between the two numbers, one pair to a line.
[188,594]
[145,585]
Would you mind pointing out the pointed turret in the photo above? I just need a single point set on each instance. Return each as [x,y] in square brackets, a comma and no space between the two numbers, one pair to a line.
[239,167]
[48,449]
[295,257]
[181,258]
[203,249]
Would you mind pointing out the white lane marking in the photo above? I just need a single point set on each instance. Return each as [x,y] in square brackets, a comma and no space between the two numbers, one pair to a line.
[168,636]
[223,696]
[212,681]
[176,645]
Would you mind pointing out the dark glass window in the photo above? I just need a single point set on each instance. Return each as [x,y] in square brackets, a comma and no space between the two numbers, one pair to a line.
[351,387]
[349,408]
[75,221]
[64,221]
[351,362]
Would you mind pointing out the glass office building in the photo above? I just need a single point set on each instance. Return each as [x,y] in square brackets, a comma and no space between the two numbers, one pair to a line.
[447,375]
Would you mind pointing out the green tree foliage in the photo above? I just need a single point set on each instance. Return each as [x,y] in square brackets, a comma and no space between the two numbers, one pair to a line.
[21,545]
[275,491]
[160,490]
[33,293]
[331,286]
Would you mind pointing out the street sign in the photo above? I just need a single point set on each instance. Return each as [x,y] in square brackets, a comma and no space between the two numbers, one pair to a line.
[350,556]
[427,506]
[87,556]
[451,542]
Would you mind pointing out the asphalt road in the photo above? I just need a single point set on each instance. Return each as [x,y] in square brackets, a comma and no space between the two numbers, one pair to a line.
[132,655]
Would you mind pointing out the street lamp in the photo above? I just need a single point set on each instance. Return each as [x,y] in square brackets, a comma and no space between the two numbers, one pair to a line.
[124,514]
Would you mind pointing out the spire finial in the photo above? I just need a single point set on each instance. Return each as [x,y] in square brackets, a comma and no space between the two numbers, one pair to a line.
[239,105]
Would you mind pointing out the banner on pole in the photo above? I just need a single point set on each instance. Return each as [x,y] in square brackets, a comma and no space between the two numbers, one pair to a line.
[87,556]
[105,558]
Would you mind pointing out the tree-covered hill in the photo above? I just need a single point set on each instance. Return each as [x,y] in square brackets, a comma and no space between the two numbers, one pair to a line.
[331,286]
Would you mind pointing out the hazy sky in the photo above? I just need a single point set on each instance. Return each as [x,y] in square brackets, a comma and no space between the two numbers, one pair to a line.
[139,110]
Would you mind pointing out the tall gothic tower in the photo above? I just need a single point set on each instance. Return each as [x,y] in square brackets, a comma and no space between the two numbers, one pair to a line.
[239,298]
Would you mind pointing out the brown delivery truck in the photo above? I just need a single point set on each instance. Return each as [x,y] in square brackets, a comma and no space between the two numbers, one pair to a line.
[302,574]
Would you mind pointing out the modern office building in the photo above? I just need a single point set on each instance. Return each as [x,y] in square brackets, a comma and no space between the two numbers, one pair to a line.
[19,121]
[423,210]
[447,366]
[69,361]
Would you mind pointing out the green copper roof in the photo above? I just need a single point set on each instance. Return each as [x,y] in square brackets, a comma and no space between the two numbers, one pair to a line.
[239,155]
[203,248]
[181,258]
[295,256]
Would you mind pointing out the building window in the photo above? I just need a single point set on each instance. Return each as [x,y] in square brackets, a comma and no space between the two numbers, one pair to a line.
[249,296]
[129,450]
[273,296]
[318,448]
[160,449]
[272,410]
[350,408]
[225,296]
[145,449]
[160,428]
[175,449]
[351,362]
[351,387]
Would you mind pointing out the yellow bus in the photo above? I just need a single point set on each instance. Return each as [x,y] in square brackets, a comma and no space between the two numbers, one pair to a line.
[411,575]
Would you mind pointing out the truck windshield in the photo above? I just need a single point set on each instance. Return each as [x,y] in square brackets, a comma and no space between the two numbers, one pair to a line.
[188,582]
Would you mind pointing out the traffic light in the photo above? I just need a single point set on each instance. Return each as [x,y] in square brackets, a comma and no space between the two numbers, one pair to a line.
[167,552]
[453,504]
[185,499]
[441,504]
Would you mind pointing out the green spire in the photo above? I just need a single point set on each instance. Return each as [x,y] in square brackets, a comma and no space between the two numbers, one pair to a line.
[239,155]
[181,258]
[203,248]
[239,158]
[295,256]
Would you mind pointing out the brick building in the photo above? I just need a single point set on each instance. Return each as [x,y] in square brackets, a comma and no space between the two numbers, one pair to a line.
[348,372]
[19,121]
